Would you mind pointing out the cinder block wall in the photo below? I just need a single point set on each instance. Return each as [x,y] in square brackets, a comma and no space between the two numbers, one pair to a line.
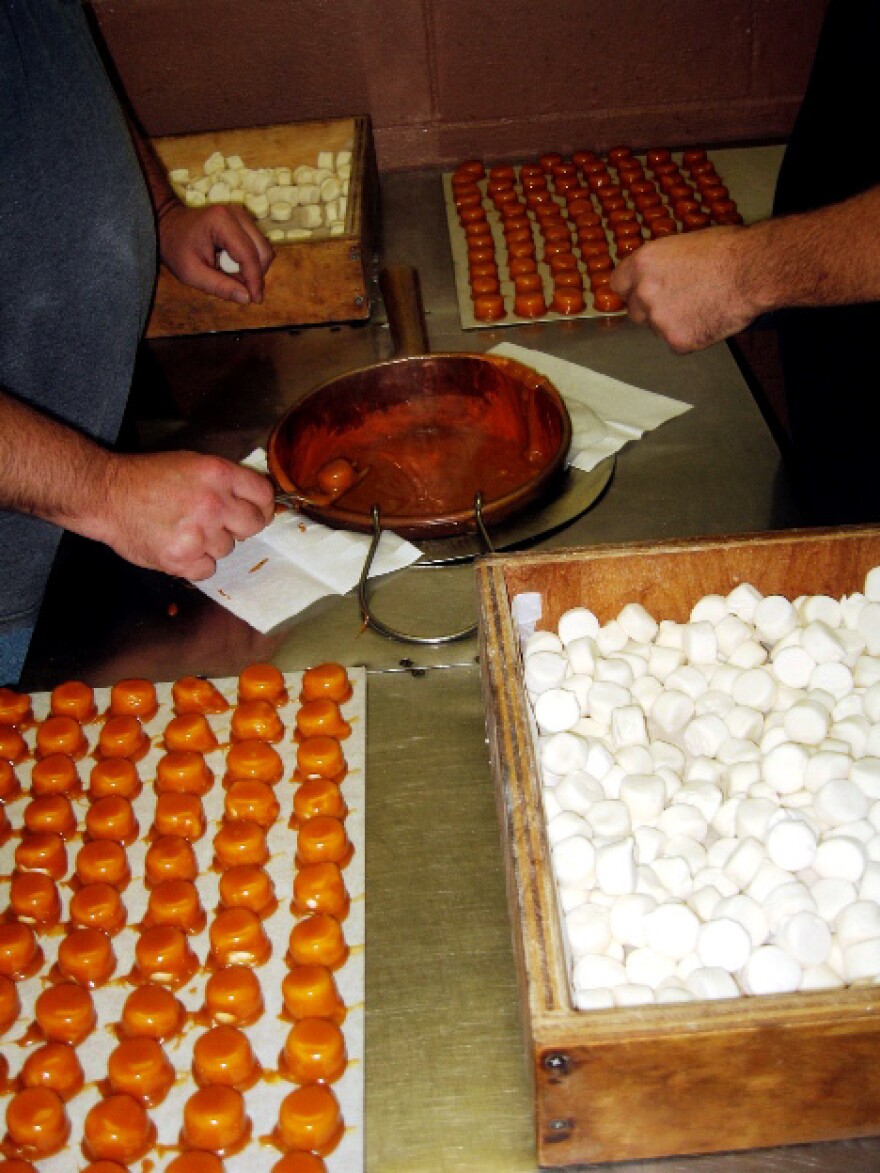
[445,79]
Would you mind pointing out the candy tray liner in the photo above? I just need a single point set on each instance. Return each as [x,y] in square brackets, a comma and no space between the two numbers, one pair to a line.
[268,1033]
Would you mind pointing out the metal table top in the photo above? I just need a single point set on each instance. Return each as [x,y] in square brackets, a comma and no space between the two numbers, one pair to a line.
[447,1077]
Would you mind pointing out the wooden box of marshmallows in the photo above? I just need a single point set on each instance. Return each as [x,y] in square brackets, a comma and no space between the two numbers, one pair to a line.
[312,189]
[686,750]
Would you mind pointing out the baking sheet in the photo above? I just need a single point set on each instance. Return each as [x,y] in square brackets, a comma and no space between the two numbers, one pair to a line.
[268,1033]
[458,244]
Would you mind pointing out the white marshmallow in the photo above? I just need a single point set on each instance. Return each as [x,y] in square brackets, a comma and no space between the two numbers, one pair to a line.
[792,844]
[861,962]
[582,656]
[842,858]
[841,801]
[748,913]
[690,850]
[786,900]
[756,689]
[557,710]
[820,977]
[869,884]
[633,994]
[806,937]
[662,661]
[749,654]
[578,792]
[832,896]
[868,626]
[859,921]
[638,623]
[775,617]
[597,971]
[702,736]
[807,723]
[604,698]
[709,983]
[574,861]
[647,967]
[689,680]
[564,753]
[588,929]
[577,623]
[544,670]
[611,638]
[743,601]
[793,666]
[628,726]
[541,641]
[564,825]
[615,671]
[823,643]
[683,819]
[593,999]
[753,817]
[744,721]
[767,879]
[674,874]
[627,919]
[824,766]
[700,642]
[609,819]
[832,677]
[770,970]
[616,867]
[724,943]
[866,775]
[664,753]
[785,766]
[730,633]
[704,901]
[644,795]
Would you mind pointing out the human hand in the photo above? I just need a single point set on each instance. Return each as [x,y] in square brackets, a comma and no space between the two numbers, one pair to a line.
[180,512]
[693,289]
[191,238]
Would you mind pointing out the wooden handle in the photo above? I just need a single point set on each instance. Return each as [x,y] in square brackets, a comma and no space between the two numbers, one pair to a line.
[402,296]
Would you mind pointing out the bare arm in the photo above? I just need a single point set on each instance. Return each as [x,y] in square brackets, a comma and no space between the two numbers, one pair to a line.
[172,511]
[701,287]
[190,238]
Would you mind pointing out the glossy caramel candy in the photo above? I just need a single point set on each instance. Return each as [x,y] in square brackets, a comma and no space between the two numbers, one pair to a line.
[247,798]
[248,886]
[262,682]
[114,776]
[177,903]
[309,991]
[139,1067]
[61,735]
[34,899]
[103,862]
[179,814]
[256,721]
[238,938]
[195,1161]
[215,1119]
[98,906]
[240,841]
[37,1122]
[163,955]
[319,887]
[190,731]
[256,759]
[20,954]
[299,1163]
[233,995]
[194,694]
[322,717]
[10,785]
[152,1012]
[318,940]
[314,1052]
[325,680]
[15,708]
[13,747]
[112,818]
[123,737]
[170,857]
[310,1120]
[73,699]
[56,1066]
[318,796]
[223,1055]
[183,771]
[118,1128]
[134,698]
[55,774]
[65,1013]
[320,757]
[50,813]
[10,1003]
[323,839]
[86,956]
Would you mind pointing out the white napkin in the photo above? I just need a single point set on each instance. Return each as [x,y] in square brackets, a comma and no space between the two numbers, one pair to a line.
[295,561]
[605,413]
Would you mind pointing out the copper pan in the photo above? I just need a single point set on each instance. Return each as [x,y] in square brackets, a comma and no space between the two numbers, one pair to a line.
[428,435]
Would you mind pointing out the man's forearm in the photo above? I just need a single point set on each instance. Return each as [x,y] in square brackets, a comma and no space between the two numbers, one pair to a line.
[50,470]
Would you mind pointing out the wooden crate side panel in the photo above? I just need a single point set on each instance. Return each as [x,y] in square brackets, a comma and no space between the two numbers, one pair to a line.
[669,579]
[710,1092]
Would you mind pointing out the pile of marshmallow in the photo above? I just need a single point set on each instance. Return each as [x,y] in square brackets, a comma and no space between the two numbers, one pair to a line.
[712,795]
[288,203]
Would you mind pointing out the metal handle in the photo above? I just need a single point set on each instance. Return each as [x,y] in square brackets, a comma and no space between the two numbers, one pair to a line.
[391,632]
[402,295]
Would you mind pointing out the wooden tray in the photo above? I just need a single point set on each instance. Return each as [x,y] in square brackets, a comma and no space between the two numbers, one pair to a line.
[325,279]
[654,1081]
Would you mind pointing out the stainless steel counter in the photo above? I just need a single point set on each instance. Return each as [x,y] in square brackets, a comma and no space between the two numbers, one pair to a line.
[447,1081]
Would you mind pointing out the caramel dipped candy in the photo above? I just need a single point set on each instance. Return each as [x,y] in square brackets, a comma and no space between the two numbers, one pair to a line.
[103,1167]
[10,1004]
[152,1012]
[139,1067]
[179,814]
[55,774]
[256,759]
[314,1052]
[65,1013]
[13,747]
[238,938]
[183,771]
[223,1055]
[98,906]
[34,899]
[321,757]
[318,940]
[73,699]
[310,1120]
[309,991]
[323,839]
[322,718]
[262,682]
[118,1128]
[15,708]
[61,735]
[325,680]
[50,813]
[256,721]
[44,852]
[18,1165]
[103,862]
[194,694]
[20,955]
[86,956]
[248,798]
[177,903]
[318,796]
[123,737]
[170,857]
[233,996]
[319,887]
[163,955]
[248,886]
[114,776]
[37,1122]
[55,1066]
[240,841]
[215,1120]
[134,698]
[112,818]
[190,731]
